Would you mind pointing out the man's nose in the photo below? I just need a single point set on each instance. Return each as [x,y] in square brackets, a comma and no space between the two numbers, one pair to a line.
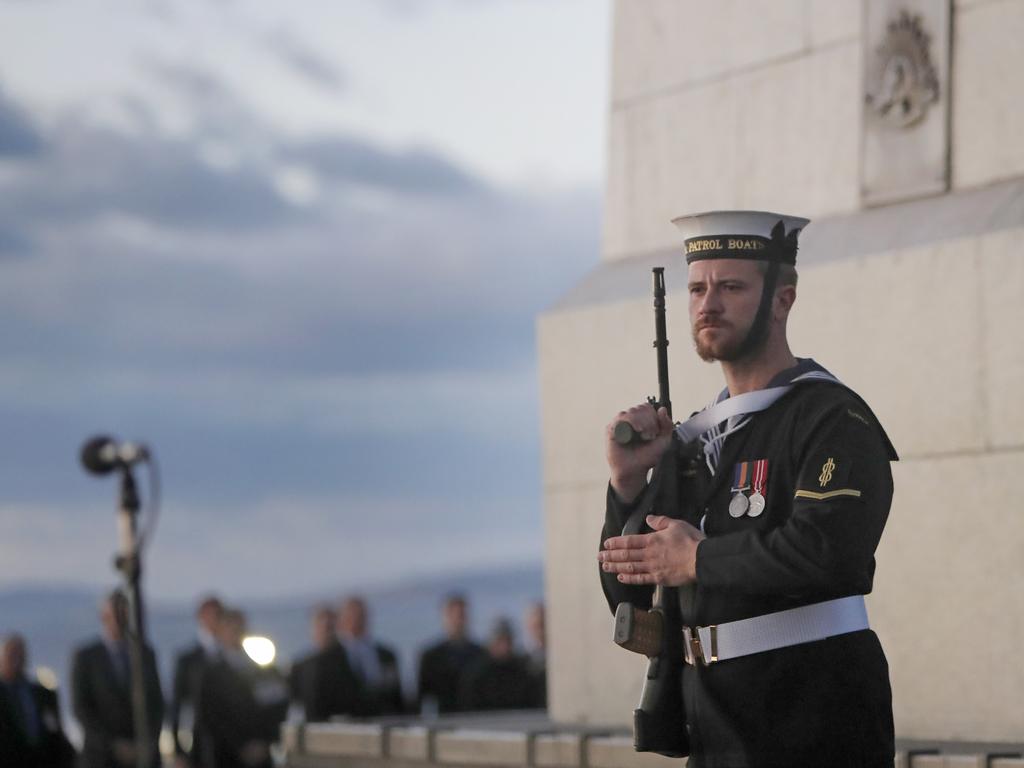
[710,302]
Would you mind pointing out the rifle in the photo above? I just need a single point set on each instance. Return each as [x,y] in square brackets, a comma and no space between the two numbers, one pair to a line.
[659,723]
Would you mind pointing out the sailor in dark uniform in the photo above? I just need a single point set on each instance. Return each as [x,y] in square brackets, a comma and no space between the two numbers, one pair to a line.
[785,489]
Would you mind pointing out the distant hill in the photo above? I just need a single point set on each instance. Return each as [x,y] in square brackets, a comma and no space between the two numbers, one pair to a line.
[405,615]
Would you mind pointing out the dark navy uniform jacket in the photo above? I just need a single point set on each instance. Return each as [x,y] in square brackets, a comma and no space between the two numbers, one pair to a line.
[828,491]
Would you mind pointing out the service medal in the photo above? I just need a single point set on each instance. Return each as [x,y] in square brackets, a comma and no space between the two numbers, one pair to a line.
[740,475]
[759,482]
[757,503]
[738,505]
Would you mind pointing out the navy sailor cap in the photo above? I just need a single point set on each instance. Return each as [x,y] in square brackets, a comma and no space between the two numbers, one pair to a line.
[757,235]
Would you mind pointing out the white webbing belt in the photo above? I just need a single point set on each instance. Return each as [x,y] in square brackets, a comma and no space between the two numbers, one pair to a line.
[775,630]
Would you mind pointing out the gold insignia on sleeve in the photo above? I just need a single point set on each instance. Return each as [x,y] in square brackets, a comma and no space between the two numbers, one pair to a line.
[851,492]
[826,472]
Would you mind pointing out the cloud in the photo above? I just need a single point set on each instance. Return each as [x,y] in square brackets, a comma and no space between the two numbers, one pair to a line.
[340,539]
[94,172]
[303,60]
[18,135]
[415,171]
[216,268]
[304,370]
[13,243]
[30,534]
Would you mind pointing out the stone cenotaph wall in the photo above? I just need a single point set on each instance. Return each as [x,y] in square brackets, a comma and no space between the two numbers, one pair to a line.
[898,128]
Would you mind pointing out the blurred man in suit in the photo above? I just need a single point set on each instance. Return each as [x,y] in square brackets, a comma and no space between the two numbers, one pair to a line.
[240,706]
[101,685]
[442,664]
[374,664]
[497,679]
[31,734]
[323,682]
[188,673]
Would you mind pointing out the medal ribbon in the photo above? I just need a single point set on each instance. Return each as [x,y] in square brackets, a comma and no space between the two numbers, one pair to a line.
[739,477]
[760,476]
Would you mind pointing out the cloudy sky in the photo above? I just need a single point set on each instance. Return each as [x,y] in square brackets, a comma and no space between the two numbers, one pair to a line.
[299,249]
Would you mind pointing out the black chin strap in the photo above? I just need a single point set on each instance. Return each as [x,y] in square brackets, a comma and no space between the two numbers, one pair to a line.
[783,247]
[759,329]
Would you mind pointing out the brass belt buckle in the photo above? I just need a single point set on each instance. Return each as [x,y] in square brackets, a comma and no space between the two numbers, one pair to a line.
[694,649]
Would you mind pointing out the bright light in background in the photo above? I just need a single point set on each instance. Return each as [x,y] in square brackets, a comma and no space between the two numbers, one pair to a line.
[260,649]
[47,678]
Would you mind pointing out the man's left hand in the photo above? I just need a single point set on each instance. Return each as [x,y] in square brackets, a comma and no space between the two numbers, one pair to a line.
[668,556]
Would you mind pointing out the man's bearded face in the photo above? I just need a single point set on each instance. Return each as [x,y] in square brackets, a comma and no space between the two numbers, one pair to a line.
[724,297]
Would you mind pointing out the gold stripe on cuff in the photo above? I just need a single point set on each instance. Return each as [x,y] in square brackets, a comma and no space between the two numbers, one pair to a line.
[828,495]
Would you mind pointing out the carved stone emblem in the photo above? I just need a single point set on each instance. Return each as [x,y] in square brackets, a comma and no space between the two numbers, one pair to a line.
[902,83]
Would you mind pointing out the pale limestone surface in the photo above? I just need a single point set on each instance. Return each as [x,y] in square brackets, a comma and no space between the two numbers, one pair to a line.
[675,43]
[1003,319]
[798,134]
[830,22]
[784,136]
[563,750]
[949,600]
[988,113]
[617,752]
[411,743]
[290,736]
[344,739]
[465,747]
[904,329]
[957,761]
[590,679]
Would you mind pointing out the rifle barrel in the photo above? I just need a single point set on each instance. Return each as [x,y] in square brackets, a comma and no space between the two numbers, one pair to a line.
[623,433]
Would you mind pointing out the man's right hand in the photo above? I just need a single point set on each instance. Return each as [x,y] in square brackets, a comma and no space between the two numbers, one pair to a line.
[629,464]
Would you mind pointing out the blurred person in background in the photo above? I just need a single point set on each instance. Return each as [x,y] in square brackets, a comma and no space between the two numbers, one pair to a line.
[101,692]
[442,664]
[536,656]
[240,706]
[498,679]
[31,734]
[374,664]
[188,673]
[322,682]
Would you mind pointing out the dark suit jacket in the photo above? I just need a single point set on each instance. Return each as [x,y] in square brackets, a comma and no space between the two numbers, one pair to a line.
[102,702]
[490,683]
[325,685]
[51,748]
[188,675]
[441,669]
[387,695]
[237,705]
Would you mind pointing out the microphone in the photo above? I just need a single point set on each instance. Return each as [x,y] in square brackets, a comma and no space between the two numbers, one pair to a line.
[103,454]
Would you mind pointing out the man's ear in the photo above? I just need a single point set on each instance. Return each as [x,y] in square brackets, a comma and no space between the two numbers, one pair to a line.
[785,297]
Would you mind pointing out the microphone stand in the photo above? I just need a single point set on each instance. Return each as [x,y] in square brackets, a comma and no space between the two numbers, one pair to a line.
[129,563]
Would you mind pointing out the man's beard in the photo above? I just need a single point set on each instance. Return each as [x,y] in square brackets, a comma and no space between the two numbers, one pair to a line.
[728,350]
